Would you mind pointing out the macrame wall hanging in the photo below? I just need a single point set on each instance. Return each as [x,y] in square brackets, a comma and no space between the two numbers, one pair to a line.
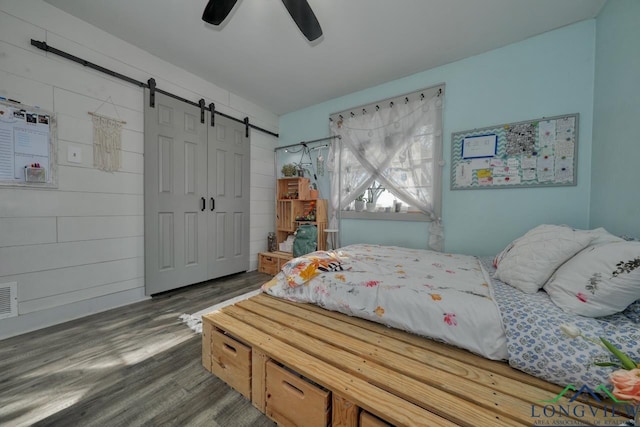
[107,140]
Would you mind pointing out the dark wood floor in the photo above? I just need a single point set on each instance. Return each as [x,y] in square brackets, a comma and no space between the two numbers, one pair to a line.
[131,366]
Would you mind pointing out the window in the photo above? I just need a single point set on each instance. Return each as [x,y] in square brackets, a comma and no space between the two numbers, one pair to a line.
[389,155]
[394,145]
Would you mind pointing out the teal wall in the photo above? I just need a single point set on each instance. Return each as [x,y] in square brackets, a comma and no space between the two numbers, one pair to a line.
[547,75]
[615,171]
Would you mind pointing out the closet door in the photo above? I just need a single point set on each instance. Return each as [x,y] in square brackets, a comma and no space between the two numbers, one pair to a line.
[229,160]
[175,192]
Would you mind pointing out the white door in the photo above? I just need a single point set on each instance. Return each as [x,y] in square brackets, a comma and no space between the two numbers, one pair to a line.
[229,159]
[175,195]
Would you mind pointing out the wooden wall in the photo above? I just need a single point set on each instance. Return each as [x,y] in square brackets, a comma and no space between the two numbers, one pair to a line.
[80,249]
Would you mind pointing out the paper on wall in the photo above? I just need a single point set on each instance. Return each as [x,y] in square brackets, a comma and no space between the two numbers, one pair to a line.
[503,180]
[464,175]
[479,163]
[529,162]
[546,132]
[528,174]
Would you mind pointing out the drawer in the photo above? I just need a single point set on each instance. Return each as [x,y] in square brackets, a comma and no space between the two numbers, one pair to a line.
[293,401]
[368,420]
[231,362]
[268,264]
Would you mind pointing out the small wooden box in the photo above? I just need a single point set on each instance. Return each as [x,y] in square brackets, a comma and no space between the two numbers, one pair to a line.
[293,401]
[293,188]
[368,420]
[272,262]
[231,362]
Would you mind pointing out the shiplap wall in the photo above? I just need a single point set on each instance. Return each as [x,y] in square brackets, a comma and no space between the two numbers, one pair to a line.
[79,249]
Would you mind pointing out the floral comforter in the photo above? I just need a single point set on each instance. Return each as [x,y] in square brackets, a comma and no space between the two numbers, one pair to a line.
[453,298]
[446,297]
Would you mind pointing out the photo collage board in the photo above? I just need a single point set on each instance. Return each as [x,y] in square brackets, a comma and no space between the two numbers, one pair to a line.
[28,145]
[533,153]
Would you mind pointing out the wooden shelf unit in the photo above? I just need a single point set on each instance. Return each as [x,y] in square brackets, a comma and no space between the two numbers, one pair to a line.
[289,210]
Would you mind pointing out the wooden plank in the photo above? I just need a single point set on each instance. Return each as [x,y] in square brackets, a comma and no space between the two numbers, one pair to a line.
[368,420]
[18,203]
[25,259]
[93,180]
[99,227]
[435,397]
[389,348]
[344,413]
[480,388]
[27,231]
[77,278]
[87,294]
[363,394]
[496,393]
[404,338]
[207,329]
[258,377]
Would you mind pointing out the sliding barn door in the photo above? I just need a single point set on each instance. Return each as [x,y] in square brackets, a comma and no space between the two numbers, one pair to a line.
[229,159]
[175,191]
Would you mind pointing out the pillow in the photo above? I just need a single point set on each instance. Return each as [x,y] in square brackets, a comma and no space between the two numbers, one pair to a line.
[533,258]
[599,281]
[601,236]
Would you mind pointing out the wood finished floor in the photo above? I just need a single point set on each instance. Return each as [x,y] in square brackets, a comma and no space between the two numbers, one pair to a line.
[131,366]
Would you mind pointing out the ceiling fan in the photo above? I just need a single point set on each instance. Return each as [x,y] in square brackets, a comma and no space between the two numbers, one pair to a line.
[217,10]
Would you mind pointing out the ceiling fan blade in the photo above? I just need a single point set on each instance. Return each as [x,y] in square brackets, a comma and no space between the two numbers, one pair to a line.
[304,17]
[217,10]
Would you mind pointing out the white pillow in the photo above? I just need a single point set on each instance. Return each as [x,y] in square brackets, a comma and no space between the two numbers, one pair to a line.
[601,236]
[533,258]
[599,281]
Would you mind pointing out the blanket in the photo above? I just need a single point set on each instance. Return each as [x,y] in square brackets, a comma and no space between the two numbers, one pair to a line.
[446,297]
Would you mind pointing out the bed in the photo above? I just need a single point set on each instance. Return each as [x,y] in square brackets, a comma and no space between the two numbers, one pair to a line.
[509,307]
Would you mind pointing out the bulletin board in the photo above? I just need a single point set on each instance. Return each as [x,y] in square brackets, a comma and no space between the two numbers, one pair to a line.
[28,146]
[533,153]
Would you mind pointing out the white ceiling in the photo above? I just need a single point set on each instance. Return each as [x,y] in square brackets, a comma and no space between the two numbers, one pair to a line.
[259,54]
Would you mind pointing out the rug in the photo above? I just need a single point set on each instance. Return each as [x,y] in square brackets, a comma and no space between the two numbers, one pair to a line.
[194,321]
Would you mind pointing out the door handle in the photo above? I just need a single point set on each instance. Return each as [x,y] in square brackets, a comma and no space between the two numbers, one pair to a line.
[204,202]
[213,204]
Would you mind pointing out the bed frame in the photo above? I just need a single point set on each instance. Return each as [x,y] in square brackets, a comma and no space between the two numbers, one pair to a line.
[303,365]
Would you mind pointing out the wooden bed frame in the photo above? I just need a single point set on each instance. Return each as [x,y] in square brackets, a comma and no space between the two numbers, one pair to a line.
[303,365]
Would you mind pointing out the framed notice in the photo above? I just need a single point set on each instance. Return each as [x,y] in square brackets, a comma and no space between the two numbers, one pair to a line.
[534,153]
[28,146]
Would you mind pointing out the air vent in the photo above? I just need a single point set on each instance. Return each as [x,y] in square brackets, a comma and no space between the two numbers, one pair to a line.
[8,299]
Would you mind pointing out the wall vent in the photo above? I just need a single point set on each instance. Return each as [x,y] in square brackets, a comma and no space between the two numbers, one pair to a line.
[8,299]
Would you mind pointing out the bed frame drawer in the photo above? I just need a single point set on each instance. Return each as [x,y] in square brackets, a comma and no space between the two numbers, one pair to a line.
[368,420]
[231,362]
[293,401]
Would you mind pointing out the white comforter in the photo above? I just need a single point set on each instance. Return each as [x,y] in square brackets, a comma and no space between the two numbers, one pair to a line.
[446,297]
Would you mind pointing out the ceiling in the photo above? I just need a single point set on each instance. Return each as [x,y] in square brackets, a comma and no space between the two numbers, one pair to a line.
[260,54]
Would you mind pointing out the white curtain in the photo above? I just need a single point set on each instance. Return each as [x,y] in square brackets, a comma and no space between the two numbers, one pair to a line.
[400,147]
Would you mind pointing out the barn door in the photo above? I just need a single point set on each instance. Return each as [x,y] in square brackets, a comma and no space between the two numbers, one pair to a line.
[175,194]
[229,158]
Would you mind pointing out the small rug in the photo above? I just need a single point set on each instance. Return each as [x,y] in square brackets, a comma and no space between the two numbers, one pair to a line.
[194,321]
